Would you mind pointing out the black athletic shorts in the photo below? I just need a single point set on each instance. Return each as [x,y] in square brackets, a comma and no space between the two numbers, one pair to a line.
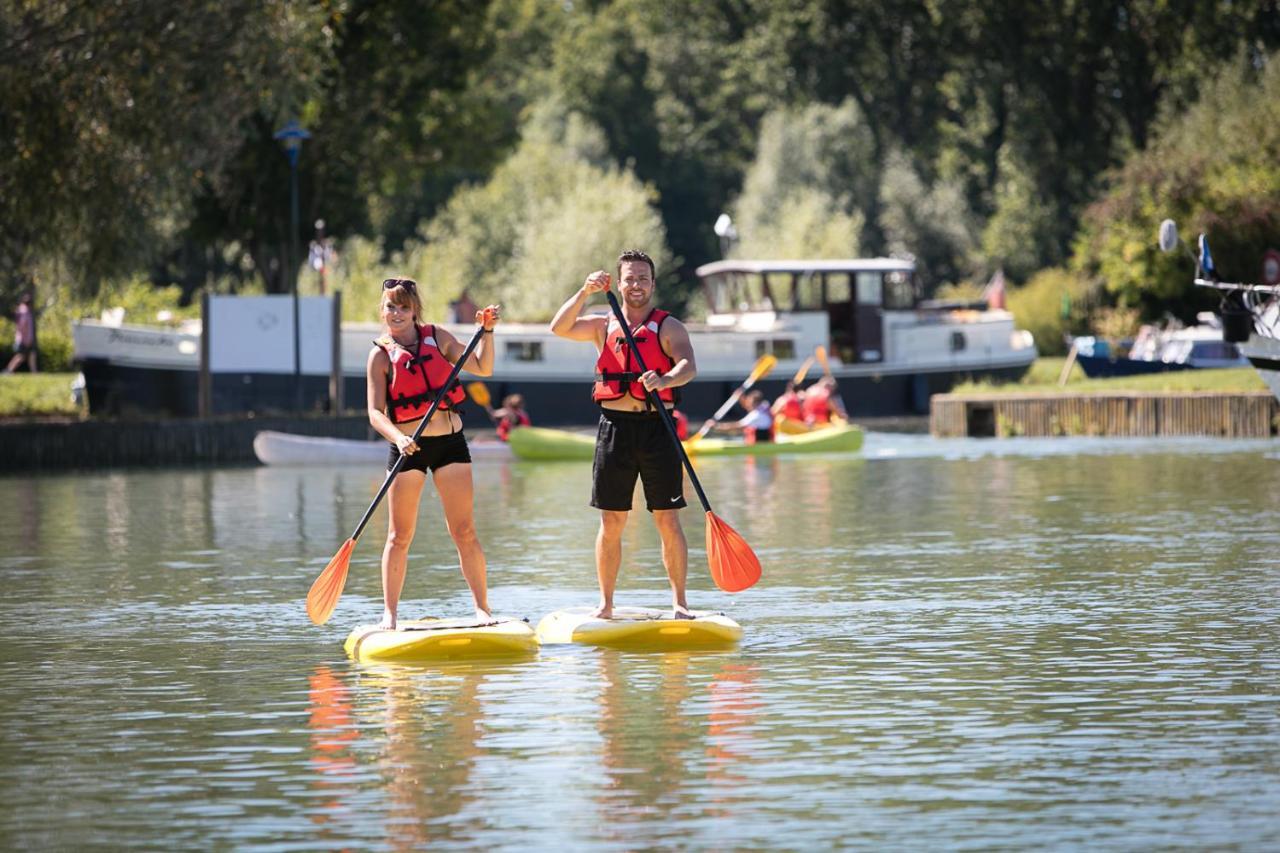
[631,444]
[434,452]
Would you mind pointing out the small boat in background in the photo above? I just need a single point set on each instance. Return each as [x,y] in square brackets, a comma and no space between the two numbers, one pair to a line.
[1159,350]
[283,448]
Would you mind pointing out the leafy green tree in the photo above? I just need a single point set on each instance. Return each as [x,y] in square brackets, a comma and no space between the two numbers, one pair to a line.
[553,212]
[1214,169]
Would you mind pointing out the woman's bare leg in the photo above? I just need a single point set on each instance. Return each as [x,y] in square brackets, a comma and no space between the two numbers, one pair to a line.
[453,483]
[402,519]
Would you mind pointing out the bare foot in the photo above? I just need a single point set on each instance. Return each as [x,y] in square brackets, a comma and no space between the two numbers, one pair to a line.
[388,622]
[484,617]
[680,611]
[604,611]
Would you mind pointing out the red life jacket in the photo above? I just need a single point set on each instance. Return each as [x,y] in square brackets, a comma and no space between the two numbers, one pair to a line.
[618,372]
[792,407]
[505,426]
[817,405]
[416,380]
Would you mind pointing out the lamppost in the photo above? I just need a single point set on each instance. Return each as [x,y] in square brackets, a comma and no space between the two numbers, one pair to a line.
[292,136]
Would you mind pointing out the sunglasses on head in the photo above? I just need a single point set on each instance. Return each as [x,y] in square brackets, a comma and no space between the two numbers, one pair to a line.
[393,283]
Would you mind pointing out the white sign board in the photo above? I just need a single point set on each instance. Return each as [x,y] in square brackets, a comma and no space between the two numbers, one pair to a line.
[254,334]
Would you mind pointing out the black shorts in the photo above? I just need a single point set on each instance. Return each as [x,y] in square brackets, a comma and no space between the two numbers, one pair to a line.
[631,444]
[434,452]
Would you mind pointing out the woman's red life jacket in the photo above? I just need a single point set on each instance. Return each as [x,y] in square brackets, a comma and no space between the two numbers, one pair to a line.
[792,407]
[617,370]
[416,379]
[817,405]
[505,425]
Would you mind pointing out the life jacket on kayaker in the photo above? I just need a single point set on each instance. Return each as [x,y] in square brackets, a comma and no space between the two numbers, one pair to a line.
[618,371]
[817,405]
[682,424]
[511,419]
[789,405]
[416,379]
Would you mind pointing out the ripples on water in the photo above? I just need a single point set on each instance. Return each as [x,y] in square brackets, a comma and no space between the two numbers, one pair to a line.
[971,644]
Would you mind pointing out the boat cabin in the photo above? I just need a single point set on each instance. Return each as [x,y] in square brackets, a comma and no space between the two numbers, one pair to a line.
[854,294]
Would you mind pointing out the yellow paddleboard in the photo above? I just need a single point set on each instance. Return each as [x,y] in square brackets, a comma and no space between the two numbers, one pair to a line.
[441,639]
[640,629]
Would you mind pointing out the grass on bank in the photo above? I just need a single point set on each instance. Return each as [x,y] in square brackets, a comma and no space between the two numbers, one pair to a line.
[1042,378]
[38,395]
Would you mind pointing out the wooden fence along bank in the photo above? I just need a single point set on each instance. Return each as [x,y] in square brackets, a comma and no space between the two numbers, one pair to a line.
[1226,415]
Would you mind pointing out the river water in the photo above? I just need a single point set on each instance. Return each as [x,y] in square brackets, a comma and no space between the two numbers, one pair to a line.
[973,645]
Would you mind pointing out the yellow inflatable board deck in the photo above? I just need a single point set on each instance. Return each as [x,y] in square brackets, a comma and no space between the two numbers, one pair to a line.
[639,628]
[441,639]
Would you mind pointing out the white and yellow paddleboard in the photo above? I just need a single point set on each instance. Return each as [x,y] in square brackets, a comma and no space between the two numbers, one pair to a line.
[441,639]
[639,628]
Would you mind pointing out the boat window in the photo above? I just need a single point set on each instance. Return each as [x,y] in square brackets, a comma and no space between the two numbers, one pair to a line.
[870,288]
[780,348]
[838,288]
[808,292]
[958,341]
[524,350]
[900,291]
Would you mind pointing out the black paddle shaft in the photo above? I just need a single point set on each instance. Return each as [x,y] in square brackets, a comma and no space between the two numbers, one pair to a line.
[657,401]
[435,404]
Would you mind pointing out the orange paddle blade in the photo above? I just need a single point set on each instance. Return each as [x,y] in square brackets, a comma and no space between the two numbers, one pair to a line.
[821,353]
[734,566]
[479,393]
[327,589]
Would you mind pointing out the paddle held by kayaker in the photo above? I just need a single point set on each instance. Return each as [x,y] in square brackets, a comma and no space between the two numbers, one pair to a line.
[406,370]
[631,439]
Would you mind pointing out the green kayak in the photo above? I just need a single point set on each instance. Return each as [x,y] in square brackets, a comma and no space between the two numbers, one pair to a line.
[539,443]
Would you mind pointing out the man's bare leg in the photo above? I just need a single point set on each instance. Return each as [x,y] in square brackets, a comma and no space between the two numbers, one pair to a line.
[608,558]
[675,558]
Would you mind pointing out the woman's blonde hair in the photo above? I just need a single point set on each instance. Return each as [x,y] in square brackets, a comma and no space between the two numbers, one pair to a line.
[403,292]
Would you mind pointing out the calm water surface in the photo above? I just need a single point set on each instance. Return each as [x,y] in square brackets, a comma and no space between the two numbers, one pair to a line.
[964,644]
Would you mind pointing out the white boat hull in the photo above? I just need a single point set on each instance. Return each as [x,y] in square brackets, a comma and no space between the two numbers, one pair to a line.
[282,448]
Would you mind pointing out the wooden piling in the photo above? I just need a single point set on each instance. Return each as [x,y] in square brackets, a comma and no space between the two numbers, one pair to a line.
[1253,414]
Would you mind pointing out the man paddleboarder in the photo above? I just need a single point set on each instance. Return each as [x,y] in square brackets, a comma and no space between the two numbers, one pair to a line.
[632,440]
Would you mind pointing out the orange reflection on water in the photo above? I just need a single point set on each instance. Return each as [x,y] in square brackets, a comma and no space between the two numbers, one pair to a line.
[333,732]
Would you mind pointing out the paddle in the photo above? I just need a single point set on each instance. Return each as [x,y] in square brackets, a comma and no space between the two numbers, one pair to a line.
[763,365]
[326,590]
[820,352]
[479,394]
[734,566]
[802,372]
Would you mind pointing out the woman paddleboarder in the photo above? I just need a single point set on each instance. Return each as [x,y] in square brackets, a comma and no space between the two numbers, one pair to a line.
[407,368]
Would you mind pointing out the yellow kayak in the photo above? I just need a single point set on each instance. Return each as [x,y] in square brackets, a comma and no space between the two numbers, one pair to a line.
[555,444]
[639,629]
[441,639]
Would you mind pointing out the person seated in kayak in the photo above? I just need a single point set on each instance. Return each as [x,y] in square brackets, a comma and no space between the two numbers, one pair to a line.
[789,406]
[405,371]
[822,403]
[757,425]
[632,440]
[511,415]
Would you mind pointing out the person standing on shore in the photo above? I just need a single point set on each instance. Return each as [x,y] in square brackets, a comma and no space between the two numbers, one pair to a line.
[631,440]
[406,369]
[24,336]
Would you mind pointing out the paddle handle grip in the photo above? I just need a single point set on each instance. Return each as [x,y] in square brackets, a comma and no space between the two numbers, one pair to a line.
[657,401]
[435,404]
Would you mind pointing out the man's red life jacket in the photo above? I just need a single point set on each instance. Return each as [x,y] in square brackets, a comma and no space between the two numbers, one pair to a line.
[417,379]
[817,405]
[792,406]
[617,370]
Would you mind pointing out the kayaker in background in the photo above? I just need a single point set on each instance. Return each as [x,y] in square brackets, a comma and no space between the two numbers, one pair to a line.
[822,403]
[511,415]
[789,406]
[682,424]
[632,441]
[406,369]
[757,425]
